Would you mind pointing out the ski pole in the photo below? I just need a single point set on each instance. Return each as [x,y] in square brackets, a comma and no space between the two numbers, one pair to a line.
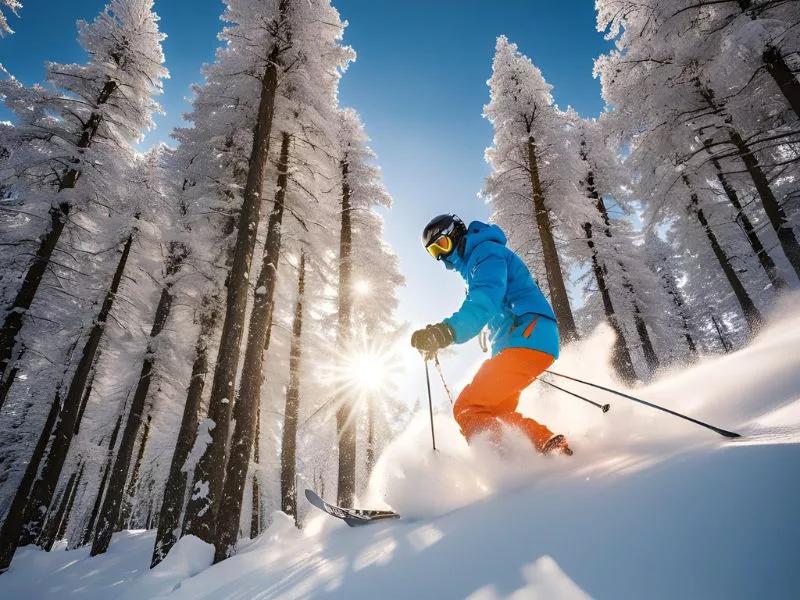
[430,399]
[725,432]
[604,407]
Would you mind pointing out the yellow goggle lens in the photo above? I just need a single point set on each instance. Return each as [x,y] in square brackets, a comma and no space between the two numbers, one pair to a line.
[442,246]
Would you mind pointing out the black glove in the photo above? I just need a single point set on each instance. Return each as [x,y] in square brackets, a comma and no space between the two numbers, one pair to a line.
[433,338]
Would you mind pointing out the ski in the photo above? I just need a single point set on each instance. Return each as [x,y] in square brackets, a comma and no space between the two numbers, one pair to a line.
[354,517]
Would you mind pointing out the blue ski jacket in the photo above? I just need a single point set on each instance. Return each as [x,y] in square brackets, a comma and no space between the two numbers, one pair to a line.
[501,294]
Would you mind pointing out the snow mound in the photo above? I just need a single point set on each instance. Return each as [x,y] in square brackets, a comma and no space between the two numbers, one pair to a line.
[188,557]
[649,506]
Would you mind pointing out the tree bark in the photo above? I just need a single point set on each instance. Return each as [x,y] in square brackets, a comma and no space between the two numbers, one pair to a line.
[24,298]
[783,76]
[12,323]
[671,287]
[255,490]
[751,313]
[555,277]
[345,421]
[244,411]
[775,213]
[175,488]
[54,522]
[292,407]
[126,509]
[764,259]
[13,524]
[620,355]
[726,345]
[649,351]
[110,511]
[201,511]
[256,521]
[42,494]
[370,438]
[88,530]
[85,398]
[62,527]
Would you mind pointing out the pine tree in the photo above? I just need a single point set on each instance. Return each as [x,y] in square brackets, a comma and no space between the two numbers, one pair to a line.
[527,142]
[360,190]
[104,107]
[273,41]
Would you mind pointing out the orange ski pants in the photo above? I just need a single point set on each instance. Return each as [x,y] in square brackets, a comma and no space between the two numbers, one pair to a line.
[492,397]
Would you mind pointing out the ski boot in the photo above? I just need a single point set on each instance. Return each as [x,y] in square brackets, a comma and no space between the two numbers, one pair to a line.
[557,445]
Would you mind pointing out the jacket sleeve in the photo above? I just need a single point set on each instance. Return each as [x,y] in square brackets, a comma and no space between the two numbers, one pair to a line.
[487,288]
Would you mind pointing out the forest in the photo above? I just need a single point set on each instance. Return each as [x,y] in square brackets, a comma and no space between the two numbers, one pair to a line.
[190,334]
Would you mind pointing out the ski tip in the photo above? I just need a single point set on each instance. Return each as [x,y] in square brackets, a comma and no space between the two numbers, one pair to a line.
[730,434]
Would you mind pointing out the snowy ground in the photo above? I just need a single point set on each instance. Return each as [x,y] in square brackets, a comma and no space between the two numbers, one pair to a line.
[649,507]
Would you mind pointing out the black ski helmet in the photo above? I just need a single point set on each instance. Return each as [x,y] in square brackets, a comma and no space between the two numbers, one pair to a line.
[449,225]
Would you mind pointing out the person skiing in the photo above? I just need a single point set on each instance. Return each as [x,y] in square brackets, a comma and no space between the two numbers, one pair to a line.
[502,295]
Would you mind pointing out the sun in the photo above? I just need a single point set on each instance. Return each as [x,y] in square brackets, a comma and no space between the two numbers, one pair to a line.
[362,287]
[367,371]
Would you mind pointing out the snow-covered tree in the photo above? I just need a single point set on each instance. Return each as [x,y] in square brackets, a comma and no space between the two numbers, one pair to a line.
[531,171]
[696,77]
[71,151]
[69,147]
[293,46]
[368,276]
[12,5]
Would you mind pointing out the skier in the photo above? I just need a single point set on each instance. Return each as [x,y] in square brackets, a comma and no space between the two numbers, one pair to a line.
[524,335]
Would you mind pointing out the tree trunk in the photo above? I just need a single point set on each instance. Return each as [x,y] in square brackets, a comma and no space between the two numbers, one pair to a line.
[255,491]
[62,527]
[775,213]
[764,259]
[751,313]
[110,511]
[56,518]
[244,411]
[85,398]
[256,520]
[620,355]
[783,76]
[345,421]
[12,324]
[555,277]
[201,511]
[650,355]
[12,526]
[88,531]
[292,408]
[124,517]
[370,438]
[175,488]
[671,287]
[42,494]
[24,298]
[726,345]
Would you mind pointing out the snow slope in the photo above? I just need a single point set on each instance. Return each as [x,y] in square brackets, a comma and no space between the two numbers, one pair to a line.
[649,506]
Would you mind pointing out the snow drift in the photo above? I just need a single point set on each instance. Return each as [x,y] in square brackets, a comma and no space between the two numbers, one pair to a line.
[649,506]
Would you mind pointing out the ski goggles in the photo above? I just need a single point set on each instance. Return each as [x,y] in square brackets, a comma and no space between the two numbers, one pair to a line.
[442,246]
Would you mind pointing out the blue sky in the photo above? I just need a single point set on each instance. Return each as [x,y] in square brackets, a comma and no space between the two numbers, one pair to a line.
[419,83]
